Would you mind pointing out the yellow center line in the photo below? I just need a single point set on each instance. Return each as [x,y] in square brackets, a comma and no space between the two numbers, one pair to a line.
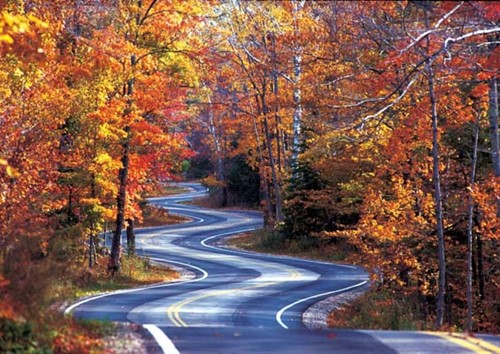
[474,344]
[174,310]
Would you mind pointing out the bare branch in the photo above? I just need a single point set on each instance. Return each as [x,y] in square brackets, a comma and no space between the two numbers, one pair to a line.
[451,40]
[396,100]
[436,27]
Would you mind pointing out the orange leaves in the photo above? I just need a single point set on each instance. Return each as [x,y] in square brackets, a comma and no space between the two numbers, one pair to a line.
[487,195]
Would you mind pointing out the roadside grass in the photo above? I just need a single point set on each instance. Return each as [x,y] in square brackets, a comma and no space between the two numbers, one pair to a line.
[167,190]
[378,308]
[276,243]
[50,331]
[136,271]
[155,216]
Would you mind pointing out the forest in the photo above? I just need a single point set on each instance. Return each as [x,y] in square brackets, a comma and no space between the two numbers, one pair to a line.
[371,126]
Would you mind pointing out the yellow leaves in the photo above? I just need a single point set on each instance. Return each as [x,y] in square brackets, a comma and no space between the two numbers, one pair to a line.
[13,23]
[110,132]
[21,34]
[6,38]
[104,159]
[11,171]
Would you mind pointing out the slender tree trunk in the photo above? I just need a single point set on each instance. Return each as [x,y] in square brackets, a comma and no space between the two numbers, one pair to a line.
[280,146]
[263,111]
[480,266]
[114,260]
[264,184]
[276,184]
[495,143]
[91,249]
[92,236]
[69,215]
[130,237]
[218,150]
[470,227]
[438,200]
[297,98]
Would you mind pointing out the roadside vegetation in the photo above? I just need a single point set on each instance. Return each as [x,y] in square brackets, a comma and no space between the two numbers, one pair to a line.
[39,330]
[34,329]
[155,216]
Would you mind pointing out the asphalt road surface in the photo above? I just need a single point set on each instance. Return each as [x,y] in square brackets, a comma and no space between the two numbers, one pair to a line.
[240,302]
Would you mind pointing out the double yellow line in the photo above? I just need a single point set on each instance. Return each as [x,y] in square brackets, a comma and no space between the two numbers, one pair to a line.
[174,310]
[474,344]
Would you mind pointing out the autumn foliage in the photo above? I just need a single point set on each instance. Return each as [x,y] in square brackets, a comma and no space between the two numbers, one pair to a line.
[79,81]
[368,125]
[392,108]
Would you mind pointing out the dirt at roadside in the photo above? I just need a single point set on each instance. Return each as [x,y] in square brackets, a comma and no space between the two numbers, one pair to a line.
[315,317]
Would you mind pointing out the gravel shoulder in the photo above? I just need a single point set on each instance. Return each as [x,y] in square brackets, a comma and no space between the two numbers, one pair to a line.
[315,317]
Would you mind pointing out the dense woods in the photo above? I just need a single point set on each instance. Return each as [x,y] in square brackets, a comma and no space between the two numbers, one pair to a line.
[371,124]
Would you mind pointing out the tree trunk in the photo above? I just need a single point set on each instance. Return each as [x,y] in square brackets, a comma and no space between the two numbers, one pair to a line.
[121,200]
[438,200]
[280,145]
[297,99]
[218,152]
[263,182]
[263,111]
[92,250]
[495,144]
[92,235]
[480,266]
[130,237]
[470,226]
[114,260]
[276,184]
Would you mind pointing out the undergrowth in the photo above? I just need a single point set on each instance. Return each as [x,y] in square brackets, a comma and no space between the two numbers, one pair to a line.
[380,309]
[52,332]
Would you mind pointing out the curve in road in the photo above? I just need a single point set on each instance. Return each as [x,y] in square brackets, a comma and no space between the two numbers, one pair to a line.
[241,302]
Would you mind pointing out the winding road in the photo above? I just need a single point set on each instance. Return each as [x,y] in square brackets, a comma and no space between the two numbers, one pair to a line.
[242,302]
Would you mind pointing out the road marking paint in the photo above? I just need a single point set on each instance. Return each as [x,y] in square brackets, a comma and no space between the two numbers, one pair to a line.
[475,344]
[161,338]
[287,307]
[205,275]
[293,272]
[175,309]
[203,242]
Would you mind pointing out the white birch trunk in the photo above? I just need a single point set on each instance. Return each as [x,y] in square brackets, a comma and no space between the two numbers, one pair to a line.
[297,97]
[438,200]
[495,144]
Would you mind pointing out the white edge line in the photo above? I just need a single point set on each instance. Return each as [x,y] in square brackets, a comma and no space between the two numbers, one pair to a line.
[205,274]
[161,338]
[203,242]
[280,312]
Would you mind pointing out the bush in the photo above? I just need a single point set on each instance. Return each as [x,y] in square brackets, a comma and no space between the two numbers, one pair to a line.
[17,337]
